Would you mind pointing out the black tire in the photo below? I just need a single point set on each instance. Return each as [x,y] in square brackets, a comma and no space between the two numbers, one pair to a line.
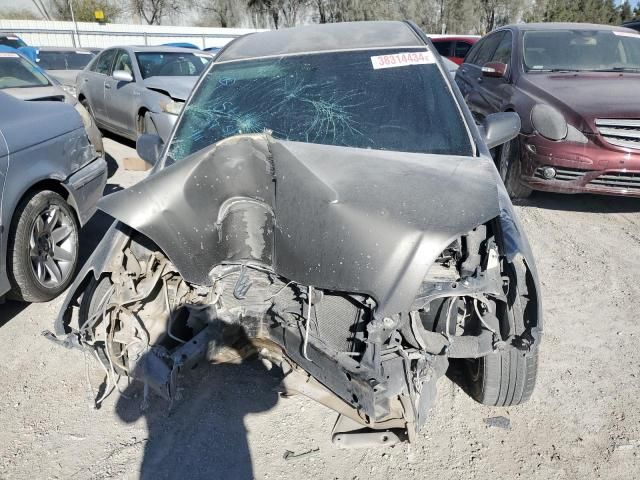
[506,377]
[42,256]
[509,166]
[90,305]
[92,297]
[146,125]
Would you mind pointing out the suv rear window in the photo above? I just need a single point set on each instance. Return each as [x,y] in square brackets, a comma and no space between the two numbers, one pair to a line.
[329,98]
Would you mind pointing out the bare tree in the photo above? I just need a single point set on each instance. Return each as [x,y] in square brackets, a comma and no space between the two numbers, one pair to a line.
[19,14]
[220,13]
[155,11]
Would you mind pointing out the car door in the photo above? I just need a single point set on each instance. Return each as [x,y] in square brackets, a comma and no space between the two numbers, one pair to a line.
[120,96]
[495,92]
[469,76]
[93,81]
[4,218]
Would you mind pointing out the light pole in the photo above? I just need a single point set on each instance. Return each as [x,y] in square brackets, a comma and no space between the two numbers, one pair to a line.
[75,24]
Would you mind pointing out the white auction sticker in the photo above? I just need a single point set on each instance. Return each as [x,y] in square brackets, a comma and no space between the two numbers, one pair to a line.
[402,59]
[626,34]
[9,55]
[81,52]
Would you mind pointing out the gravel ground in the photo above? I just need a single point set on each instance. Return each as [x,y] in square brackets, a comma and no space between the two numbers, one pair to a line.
[582,422]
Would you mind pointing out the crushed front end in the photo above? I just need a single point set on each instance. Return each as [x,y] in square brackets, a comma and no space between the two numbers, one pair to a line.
[363,320]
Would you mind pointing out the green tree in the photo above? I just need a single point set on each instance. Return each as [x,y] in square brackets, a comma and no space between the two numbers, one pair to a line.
[84,10]
[626,13]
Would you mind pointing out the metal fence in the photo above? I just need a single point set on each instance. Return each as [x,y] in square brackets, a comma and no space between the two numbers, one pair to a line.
[64,34]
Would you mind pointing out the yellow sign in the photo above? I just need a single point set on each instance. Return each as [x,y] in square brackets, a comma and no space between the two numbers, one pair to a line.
[99,14]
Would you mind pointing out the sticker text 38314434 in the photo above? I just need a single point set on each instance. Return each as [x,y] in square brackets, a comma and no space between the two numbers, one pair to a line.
[402,59]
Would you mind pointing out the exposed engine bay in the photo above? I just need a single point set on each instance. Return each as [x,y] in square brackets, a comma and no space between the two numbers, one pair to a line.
[347,349]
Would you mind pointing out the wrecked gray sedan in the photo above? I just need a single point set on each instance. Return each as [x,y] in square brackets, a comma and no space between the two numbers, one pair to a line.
[327,203]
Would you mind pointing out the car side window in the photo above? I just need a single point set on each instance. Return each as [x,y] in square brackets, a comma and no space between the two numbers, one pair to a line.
[123,62]
[486,49]
[443,48]
[103,63]
[461,49]
[503,52]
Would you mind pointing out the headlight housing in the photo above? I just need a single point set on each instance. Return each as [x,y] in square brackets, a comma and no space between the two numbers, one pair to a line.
[171,106]
[549,122]
[70,89]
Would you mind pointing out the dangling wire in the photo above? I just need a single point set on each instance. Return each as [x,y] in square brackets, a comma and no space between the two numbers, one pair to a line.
[307,323]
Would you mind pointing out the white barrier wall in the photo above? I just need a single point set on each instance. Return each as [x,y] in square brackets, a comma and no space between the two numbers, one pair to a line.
[62,34]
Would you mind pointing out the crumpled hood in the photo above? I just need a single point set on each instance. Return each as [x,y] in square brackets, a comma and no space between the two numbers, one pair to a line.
[354,220]
[587,96]
[178,88]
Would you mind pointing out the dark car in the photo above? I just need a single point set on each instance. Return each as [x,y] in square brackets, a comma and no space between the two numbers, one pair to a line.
[454,47]
[50,181]
[633,24]
[327,202]
[574,87]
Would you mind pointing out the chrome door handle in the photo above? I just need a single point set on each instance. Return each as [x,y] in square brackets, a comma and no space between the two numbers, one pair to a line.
[107,85]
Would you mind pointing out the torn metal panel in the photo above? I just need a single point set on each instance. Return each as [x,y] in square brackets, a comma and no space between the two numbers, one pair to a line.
[346,219]
[373,221]
[212,208]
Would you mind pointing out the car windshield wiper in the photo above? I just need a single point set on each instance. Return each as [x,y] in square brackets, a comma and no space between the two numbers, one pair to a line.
[553,70]
[617,69]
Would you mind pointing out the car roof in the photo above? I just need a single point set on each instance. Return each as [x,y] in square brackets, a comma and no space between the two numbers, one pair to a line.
[62,49]
[322,38]
[156,48]
[550,26]
[473,38]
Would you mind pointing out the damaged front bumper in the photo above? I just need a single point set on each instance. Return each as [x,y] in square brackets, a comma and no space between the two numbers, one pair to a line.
[361,301]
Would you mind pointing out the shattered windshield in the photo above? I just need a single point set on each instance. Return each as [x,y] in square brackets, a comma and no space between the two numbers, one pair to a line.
[16,72]
[581,50]
[330,98]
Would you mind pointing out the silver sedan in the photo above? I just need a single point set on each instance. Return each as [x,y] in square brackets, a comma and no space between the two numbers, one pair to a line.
[135,90]
[51,178]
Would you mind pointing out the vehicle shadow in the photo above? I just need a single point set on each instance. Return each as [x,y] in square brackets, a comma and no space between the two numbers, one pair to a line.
[204,435]
[119,139]
[9,310]
[586,203]
[112,165]
[91,234]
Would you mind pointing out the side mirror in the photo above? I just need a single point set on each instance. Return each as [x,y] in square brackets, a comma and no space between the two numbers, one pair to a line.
[149,148]
[122,76]
[495,69]
[499,128]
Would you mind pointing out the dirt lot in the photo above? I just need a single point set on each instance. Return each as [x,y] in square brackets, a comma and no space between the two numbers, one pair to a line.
[583,420]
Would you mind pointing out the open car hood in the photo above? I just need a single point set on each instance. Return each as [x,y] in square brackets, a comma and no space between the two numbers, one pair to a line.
[337,218]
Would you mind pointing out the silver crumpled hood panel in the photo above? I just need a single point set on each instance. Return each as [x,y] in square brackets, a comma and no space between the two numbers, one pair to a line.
[178,88]
[354,220]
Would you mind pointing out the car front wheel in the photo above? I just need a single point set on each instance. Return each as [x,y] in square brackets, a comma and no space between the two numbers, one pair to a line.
[506,377]
[43,247]
[510,168]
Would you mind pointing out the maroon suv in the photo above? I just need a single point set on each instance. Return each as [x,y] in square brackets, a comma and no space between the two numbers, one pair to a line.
[576,88]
